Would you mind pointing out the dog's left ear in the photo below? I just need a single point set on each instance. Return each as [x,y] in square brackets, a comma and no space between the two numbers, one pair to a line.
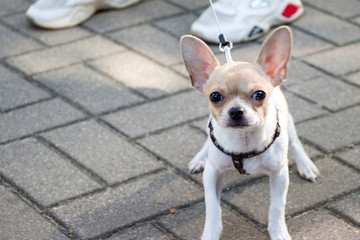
[199,60]
[275,54]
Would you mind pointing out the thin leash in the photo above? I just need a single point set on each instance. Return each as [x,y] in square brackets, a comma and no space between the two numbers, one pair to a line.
[225,46]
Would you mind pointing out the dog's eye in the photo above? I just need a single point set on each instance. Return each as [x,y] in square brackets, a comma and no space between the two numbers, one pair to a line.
[259,95]
[216,97]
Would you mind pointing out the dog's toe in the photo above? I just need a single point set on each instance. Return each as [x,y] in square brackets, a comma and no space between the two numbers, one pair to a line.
[196,166]
[309,171]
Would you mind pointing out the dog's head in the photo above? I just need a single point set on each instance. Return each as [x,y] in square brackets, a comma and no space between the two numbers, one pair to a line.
[239,93]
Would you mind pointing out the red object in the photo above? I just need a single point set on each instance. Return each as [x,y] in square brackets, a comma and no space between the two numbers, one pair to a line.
[290,10]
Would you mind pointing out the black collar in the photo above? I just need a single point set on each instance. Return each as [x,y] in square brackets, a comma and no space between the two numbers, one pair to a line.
[238,158]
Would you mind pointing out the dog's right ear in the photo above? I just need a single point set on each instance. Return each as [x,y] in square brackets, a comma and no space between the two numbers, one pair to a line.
[199,60]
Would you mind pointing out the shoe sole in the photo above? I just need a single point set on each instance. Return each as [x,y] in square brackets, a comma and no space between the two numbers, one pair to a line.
[255,31]
[78,15]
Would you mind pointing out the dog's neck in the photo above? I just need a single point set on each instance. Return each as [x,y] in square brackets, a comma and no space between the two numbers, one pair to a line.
[246,140]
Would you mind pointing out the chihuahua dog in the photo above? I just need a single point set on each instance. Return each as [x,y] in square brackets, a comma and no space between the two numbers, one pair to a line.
[250,127]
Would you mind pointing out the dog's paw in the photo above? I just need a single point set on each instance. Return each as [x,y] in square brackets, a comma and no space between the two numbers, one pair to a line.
[308,170]
[279,233]
[196,166]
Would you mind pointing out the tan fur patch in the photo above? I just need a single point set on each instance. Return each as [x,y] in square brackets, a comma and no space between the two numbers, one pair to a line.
[238,80]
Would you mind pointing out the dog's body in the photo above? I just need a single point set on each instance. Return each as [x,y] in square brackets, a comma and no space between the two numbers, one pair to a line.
[246,104]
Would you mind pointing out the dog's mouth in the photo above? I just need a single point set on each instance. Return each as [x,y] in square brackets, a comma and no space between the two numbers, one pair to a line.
[237,124]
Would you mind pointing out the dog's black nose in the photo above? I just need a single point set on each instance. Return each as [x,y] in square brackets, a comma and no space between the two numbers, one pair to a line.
[236,114]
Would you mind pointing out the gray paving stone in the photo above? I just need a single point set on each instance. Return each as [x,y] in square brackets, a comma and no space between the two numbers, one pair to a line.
[180,68]
[201,124]
[13,43]
[348,9]
[179,146]
[35,118]
[63,55]
[111,157]
[300,109]
[191,4]
[13,6]
[159,114]
[133,201]
[321,224]
[298,72]
[159,46]
[88,88]
[188,224]
[149,78]
[335,179]
[49,37]
[144,232]
[349,206]
[337,61]
[322,88]
[35,169]
[316,22]
[356,20]
[179,25]
[334,131]
[304,44]
[310,151]
[15,91]
[351,156]
[354,78]
[18,221]
[139,13]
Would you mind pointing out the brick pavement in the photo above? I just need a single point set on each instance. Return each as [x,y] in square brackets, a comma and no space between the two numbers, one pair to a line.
[99,121]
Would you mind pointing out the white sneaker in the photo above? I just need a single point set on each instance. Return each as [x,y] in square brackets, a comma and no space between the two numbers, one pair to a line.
[245,20]
[55,14]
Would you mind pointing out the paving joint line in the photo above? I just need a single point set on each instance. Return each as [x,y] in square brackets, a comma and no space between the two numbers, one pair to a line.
[112,79]
[63,202]
[21,33]
[82,61]
[45,130]
[314,145]
[327,12]
[287,89]
[171,166]
[304,30]
[28,104]
[36,206]
[243,214]
[77,164]
[322,203]
[106,33]
[336,77]
[343,162]
[257,225]
[99,190]
[343,216]
[161,227]
[159,131]
[313,118]
[146,101]
[149,58]
[145,220]
[138,177]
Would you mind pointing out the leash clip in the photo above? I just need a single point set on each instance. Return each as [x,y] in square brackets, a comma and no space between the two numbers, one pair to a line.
[225,47]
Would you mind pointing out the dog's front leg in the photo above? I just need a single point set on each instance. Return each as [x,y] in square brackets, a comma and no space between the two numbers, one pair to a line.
[212,179]
[279,183]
